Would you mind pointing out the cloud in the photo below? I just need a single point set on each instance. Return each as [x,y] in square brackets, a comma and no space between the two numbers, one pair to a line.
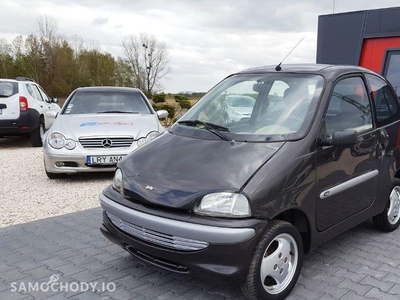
[100,21]
[207,39]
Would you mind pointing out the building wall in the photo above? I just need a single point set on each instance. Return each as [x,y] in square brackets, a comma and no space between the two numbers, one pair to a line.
[342,37]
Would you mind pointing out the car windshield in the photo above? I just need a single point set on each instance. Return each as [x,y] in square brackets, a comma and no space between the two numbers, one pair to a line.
[84,102]
[255,107]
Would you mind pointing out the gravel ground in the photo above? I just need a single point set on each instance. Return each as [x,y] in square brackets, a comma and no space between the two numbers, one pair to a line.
[26,194]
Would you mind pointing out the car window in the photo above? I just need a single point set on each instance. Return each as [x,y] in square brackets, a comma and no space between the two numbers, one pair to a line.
[83,102]
[8,89]
[259,106]
[349,107]
[44,95]
[386,104]
[37,93]
[30,90]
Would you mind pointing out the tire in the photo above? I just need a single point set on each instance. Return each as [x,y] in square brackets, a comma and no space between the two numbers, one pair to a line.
[56,175]
[36,136]
[279,249]
[389,219]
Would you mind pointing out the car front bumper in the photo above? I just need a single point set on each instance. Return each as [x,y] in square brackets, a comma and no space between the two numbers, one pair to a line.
[74,161]
[222,249]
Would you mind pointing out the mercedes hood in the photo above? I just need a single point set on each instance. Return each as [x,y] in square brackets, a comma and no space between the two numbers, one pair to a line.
[76,126]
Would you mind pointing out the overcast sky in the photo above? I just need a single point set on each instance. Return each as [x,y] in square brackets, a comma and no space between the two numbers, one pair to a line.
[207,39]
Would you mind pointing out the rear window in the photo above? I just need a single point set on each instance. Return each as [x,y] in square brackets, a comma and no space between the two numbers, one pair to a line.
[8,89]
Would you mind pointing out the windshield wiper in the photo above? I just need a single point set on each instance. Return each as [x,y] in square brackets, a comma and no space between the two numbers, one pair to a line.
[117,112]
[208,126]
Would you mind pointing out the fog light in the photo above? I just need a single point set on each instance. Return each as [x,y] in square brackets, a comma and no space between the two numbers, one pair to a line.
[60,164]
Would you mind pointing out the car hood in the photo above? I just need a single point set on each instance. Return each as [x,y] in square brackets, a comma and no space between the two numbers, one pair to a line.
[175,171]
[76,126]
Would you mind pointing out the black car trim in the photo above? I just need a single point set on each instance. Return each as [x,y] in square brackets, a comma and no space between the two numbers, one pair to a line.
[210,234]
[348,184]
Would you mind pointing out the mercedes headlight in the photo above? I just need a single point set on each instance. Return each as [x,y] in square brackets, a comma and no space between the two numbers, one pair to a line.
[118,183]
[148,138]
[58,141]
[231,205]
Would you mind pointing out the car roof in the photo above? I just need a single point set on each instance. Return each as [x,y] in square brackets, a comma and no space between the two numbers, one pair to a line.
[15,81]
[323,69]
[107,89]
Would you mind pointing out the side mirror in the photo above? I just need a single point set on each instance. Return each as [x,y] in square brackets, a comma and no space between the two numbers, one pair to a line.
[162,114]
[342,138]
[54,100]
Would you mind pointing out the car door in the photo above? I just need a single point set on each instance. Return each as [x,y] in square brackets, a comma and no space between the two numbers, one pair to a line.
[387,111]
[347,176]
[46,107]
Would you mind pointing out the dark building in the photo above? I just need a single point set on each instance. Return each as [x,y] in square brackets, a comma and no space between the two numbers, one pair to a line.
[369,38]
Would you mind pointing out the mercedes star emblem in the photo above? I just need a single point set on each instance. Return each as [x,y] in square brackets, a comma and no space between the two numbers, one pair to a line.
[106,143]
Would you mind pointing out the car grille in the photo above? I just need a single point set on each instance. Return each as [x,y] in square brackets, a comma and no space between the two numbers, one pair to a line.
[158,238]
[106,142]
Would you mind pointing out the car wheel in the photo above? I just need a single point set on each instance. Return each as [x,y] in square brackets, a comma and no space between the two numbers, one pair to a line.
[276,262]
[56,175]
[37,135]
[389,219]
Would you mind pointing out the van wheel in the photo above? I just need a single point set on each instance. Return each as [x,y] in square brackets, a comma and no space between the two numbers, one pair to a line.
[389,219]
[276,262]
[36,136]
[56,175]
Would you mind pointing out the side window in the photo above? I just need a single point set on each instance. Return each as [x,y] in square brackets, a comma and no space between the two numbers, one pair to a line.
[349,107]
[30,90]
[37,93]
[386,104]
[44,95]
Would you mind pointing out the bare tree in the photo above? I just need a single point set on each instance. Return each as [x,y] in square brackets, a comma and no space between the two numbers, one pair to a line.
[5,58]
[46,28]
[148,59]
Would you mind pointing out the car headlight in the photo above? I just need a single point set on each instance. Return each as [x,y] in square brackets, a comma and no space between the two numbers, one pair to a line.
[58,141]
[70,144]
[231,205]
[118,182]
[148,138]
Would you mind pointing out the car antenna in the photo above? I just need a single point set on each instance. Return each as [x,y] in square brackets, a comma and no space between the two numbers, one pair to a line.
[278,67]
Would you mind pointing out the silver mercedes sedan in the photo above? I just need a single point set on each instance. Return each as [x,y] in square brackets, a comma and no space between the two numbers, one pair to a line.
[96,128]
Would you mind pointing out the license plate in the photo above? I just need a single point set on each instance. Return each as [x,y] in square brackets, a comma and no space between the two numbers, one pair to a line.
[104,160]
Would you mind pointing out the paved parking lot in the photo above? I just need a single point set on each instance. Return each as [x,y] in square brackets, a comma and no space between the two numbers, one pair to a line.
[66,256]
[360,264]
